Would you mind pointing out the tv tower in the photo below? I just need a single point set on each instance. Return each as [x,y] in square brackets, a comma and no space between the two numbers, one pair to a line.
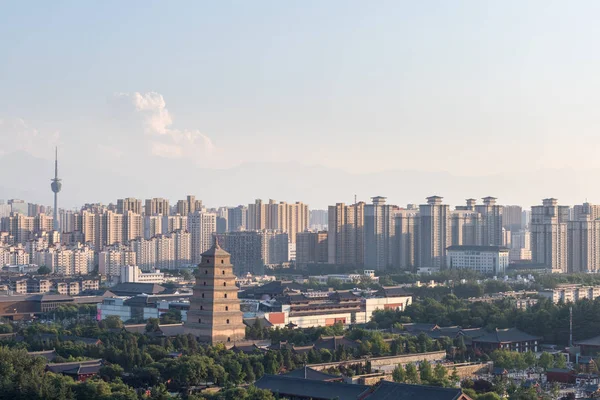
[56,186]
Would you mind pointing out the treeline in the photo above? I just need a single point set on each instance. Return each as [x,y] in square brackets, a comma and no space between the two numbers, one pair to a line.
[545,319]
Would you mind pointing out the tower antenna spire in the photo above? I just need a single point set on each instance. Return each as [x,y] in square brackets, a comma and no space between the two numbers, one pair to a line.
[56,185]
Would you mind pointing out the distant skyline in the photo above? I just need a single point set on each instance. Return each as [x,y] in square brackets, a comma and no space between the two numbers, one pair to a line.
[145,98]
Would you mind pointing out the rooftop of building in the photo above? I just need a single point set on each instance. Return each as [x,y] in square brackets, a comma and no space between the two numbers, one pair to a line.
[308,373]
[509,335]
[132,288]
[594,341]
[215,251]
[306,388]
[321,389]
[478,248]
[403,391]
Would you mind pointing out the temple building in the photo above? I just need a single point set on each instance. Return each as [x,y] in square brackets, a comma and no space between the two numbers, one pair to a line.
[214,315]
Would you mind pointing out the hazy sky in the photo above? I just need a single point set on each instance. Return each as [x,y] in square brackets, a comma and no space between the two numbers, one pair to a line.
[465,87]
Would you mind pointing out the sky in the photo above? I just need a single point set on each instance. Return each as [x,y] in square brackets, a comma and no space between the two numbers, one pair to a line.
[467,88]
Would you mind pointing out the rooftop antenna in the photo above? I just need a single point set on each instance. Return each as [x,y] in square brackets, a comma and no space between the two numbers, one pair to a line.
[355,199]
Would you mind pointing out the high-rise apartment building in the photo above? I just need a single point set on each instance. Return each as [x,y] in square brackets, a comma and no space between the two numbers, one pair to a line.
[275,247]
[19,206]
[129,204]
[257,216]
[237,219]
[289,218]
[172,223]
[202,226]
[152,226]
[379,234]
[246,249]
[346,234]
[145,253]
[157,206]
[109,229]
[133,226]
[583,241]
[87,221]
[188,206]
[582,211]
[491,215]
[183,251]
[311,248]
[549,235]
[43,223]
[406,252]
[466,227]
[112,259]
[165,252]
[435,233]
[317,220]
[512,218]
[19,226]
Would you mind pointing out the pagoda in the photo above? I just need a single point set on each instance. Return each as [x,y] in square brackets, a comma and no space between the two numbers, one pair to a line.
[214,315]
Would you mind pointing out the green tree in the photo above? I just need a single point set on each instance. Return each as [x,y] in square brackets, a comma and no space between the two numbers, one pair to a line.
[454,377]
[412,375]
[530,359]
[440,374]
[111,322]
[152,325]
[546,360]
[561,361]
[399,375]
[111,372]
[426,372]
[44,270]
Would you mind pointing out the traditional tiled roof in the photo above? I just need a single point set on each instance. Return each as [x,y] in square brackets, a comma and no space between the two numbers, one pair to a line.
[402,391]
[304,388]
[134,288]
[312,374]
[262,321]
[60,368]
[247,349]
[333,342]
[560,370]
[393,291]
[302,349]
[47,354]
[417,326]
[510,335]
[595,341]
[215,251]
[274,288]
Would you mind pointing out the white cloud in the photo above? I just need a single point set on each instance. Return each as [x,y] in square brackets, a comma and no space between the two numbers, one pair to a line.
[17,135]
[150,110]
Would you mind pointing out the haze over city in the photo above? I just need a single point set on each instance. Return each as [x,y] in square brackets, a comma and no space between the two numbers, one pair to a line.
[312,101]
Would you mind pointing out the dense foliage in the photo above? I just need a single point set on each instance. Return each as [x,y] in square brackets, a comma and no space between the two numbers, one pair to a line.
[545,319]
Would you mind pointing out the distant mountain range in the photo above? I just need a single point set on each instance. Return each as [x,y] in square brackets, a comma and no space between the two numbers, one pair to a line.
[27,177]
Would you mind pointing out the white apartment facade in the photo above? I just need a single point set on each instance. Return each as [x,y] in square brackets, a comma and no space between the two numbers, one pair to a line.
[483,259]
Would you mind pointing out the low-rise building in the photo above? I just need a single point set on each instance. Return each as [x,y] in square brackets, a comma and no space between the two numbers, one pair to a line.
[483,259]
[134,274]
[345,278]
[321,308]
[508,339]
[571,293]
[142,307]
